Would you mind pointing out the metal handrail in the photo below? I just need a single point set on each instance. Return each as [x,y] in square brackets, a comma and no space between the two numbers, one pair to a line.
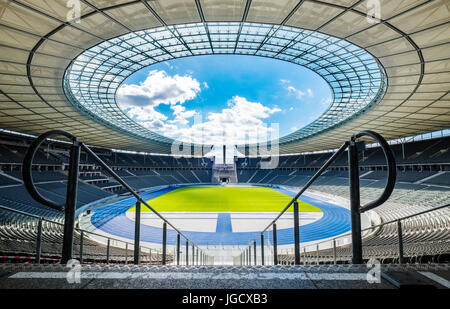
[372,227]
[43,219]
[391,169]
[22,213]
[356,208]
[129,189]
[308,184]
[72,185]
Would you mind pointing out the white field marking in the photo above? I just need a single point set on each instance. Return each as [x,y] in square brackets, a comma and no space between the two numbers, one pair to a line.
[240,222]
[195,276]
[191,221]
[150,215]
[436,278]
[194,225]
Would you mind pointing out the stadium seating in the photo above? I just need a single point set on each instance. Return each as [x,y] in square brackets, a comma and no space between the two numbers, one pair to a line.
[433,151]
[420,186]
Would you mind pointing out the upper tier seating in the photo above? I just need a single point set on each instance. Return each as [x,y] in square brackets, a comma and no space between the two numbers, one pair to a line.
[431,151]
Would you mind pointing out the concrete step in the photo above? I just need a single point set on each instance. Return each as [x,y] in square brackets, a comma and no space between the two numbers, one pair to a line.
[222,277]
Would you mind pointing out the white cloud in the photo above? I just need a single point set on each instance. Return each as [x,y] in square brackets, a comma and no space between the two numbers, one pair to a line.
[147,113]
[168,65]
[181,114]
[139,101]
[241,122]
[299,93]
[158,88]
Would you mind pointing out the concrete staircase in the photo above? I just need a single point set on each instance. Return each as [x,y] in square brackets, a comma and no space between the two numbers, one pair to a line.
[31,276]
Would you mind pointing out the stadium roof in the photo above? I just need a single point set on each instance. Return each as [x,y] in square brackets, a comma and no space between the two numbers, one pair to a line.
[391,76]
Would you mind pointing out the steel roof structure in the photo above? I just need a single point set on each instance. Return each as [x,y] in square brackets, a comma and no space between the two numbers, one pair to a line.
[390,75]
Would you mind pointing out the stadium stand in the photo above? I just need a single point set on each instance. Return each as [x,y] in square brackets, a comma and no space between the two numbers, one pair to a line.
[18,232]
[423,182]
[62,66]
[419,186]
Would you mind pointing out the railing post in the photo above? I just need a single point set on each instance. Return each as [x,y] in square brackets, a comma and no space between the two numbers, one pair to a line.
[164,243]
[126,253]
[254,251]
[71,202]
[275,245]
[137,233]
[193,254]
[108,243]
[81,247]
[400,242]
[355,201]
[178,248]
[317,254]
[197,257]
[187,253]
[39,242]
[334,252]
[296,234]
[262,249]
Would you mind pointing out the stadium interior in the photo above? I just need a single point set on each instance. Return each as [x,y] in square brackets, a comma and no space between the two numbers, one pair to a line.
[390,76]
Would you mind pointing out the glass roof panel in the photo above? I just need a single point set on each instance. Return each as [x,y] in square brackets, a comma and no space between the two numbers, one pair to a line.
[357,80]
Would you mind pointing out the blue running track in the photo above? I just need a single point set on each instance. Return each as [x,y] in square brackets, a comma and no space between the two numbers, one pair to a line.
[112,219]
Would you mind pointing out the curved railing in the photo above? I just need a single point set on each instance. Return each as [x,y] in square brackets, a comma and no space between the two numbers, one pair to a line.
[38,229]
[69,206]
[355,203]
[328,248]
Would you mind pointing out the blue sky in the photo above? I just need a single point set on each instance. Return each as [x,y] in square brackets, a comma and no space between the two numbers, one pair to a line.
[224,98]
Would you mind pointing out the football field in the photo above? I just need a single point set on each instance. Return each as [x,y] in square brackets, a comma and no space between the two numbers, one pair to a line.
[224,199]
[222,215]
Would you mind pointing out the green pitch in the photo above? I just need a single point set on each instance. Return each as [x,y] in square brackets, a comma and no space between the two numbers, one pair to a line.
[224,199]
